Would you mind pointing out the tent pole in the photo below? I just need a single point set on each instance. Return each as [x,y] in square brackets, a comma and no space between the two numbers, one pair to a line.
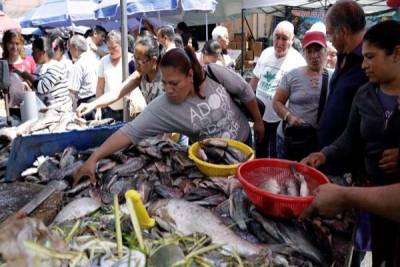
[124,46]
[206,26]
[242,45]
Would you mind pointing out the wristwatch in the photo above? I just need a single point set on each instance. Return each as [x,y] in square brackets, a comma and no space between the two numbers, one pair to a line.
[286,116]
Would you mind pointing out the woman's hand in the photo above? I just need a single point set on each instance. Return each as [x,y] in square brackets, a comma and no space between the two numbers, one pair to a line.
[88,169]
[294,120]
[259,130]
[84,109]
[314,159]
[389,162]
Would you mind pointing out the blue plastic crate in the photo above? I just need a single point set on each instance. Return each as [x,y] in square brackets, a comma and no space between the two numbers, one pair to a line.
[26,149]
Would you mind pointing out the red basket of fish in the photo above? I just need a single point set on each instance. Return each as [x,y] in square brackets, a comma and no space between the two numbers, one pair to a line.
[279,188]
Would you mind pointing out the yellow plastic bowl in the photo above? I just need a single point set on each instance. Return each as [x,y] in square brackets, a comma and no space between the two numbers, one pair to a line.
[210,169]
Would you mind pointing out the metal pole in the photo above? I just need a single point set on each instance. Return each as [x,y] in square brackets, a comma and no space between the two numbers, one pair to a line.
[242,70]
[124,46]
[206,27]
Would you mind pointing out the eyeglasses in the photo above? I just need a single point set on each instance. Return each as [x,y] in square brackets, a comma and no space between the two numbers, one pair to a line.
[141,61]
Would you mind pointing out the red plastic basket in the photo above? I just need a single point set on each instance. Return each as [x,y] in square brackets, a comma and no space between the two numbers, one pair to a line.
[254,172]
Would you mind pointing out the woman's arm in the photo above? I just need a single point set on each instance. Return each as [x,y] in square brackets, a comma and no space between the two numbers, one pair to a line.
[105,99]
[278,103]
[114,143]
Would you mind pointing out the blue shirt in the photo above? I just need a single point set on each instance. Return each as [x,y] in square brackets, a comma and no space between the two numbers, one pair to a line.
[342,87]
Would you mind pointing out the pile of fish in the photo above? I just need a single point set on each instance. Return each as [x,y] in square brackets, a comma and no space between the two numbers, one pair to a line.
[218,151]
[295,185]
[51,122]
[213,211]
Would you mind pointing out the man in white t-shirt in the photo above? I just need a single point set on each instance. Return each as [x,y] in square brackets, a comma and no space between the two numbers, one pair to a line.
[273,63]
[110,76]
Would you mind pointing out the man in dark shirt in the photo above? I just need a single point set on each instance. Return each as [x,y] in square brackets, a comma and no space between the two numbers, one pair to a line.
[345,27]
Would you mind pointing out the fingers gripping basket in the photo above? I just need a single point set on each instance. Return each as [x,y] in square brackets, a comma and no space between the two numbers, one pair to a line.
[252,173]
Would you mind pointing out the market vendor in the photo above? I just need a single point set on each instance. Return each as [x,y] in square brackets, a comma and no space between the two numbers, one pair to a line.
[374,122]
[193,105]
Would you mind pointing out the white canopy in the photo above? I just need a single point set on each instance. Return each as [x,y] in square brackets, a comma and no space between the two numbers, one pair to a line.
[369,6]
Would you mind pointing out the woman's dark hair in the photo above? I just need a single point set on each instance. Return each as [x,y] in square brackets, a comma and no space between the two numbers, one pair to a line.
[384,35]
[211,48]
[88,33]
[7,38]
[43,44]
[185,60]
[182,26]
[151,44]
[57,43]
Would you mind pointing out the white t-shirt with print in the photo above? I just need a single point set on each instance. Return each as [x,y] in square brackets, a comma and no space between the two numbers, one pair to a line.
[270,70]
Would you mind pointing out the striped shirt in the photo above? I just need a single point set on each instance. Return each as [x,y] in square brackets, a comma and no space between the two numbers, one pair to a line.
[52,87]
[84,76]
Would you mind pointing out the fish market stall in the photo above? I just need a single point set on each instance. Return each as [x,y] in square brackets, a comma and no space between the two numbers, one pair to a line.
[200,220]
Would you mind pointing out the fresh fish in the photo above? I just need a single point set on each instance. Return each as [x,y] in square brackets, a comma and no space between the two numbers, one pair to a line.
[68,157]
[269,226]
[78,188]
[213,200]
[238,206]
[187,218]
[229,159]
[291,188]
[202,155]
[215,142]
[77,209]
[105,165]
[215,154]
[271,185]
[130,167]
[304,191]
[49,170]
[236,153]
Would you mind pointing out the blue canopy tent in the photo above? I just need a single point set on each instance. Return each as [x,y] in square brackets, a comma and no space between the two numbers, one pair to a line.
[60,13]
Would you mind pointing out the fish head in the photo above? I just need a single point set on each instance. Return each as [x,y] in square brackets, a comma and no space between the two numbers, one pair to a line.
[159,211]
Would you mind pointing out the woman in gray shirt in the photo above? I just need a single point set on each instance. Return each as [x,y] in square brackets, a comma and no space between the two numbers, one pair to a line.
[301,87]
[193,105]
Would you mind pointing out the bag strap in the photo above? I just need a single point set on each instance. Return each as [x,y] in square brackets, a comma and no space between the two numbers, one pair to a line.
[324,91]
[211,74]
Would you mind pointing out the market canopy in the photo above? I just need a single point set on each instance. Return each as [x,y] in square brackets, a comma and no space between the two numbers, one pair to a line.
[153,8]
[271,6]
[7,23]
[60,13]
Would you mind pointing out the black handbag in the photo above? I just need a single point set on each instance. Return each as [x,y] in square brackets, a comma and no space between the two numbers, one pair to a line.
[238,103]
[302,140]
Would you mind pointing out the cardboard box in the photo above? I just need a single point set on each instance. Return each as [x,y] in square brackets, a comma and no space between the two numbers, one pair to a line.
[249,55]
[257,48]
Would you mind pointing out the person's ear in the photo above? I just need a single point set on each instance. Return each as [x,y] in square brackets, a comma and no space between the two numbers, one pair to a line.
[396,54]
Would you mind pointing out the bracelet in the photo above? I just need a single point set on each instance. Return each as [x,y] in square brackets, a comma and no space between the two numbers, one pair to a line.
[286,116]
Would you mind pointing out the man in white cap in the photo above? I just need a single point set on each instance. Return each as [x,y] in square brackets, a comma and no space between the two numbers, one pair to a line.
[274,62]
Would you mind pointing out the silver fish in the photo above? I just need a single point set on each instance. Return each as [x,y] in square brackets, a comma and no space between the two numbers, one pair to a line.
[76,209]
[187,218]
[291,187]
[271,185]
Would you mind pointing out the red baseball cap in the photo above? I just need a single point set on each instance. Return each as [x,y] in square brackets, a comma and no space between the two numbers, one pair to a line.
[314,37]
